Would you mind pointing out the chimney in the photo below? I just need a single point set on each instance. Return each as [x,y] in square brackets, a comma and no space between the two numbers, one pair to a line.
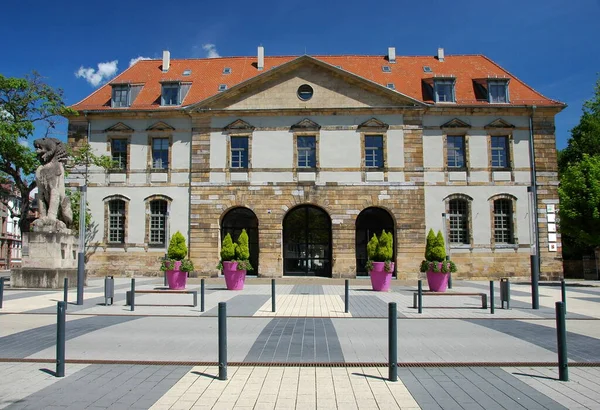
[261,58]
[440,54]
[166,61]
[392,55]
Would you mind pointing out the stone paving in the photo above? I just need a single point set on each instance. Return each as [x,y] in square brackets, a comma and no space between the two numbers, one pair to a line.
[164,355]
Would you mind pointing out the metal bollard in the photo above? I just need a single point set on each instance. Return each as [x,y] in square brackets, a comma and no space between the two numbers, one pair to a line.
[420,296]
[1,291]
[393,342]
[505,292]
[492,297]
[222,341]
[60,339]
[561,336]
[272,295]
[132,297]
[346,296]
[80,277]
[563,294]
[201,295]
[66,292]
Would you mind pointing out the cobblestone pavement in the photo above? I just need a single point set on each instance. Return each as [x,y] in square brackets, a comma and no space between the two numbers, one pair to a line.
[308,354]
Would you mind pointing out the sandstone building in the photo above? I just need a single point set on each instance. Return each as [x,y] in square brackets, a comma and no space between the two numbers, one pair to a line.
[313,154]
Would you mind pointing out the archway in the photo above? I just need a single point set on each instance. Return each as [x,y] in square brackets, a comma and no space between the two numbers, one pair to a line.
[307,242]
[243,218]
[371,221]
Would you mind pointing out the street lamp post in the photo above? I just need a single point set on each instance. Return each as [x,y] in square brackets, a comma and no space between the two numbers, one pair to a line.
[445,230]
[534,238]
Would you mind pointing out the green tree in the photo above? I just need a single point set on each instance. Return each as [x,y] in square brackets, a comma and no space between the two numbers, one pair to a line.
[430,244]
[25,103]
[242,251]
[580,202]
[585,137]
[440,247]
[385,250]
[228,248]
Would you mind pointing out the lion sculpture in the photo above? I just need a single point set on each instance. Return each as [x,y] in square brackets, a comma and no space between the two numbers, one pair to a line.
[53,203]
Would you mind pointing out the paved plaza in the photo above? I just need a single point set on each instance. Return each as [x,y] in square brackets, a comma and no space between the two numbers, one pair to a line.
[307,354]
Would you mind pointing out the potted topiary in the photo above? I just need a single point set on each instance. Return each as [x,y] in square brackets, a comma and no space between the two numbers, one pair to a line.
[235,261]
[379,263]
[175,264]
[435,264]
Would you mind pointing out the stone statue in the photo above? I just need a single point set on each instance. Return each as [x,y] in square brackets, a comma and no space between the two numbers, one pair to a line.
[54,205]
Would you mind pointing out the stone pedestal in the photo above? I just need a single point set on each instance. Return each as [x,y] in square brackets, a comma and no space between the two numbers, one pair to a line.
[47,258]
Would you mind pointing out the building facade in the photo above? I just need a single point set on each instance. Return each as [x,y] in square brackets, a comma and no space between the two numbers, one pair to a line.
[10,234]
[312,155]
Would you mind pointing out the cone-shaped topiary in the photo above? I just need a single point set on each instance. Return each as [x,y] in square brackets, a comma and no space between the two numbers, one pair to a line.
[177,248]
[385,250]
[242,251]
[228,249]
[372,248]
[440,245]
[431,238]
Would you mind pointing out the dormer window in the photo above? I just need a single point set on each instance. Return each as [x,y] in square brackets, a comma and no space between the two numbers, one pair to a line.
[498,91]
[170,94]
[494,91]
[443,90]
[120,95]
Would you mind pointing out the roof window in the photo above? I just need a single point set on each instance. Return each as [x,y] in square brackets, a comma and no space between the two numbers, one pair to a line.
[227,70]
[305,92]
[222,87]
[187,72]
[386,68]
[427,69]
[391,86]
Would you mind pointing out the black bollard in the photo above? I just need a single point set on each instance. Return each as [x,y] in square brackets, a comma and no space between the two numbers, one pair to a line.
[492,297]
[561,336]
[60,339]
[132,297]
[201,295]
[1,291]
[66,292]
[80,277]
[420,296]
[346,296]
[563,294]
[393,342]
[272,295]
[449,274]
[222,341]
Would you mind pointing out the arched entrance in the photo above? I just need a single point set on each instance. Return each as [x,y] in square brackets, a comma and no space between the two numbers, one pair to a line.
[243,218]
[371,221]
[307,242]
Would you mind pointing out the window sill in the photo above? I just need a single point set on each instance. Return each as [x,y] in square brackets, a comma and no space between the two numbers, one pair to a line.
[456,169]
[117,170]
[158,170]
[238,169]
[511,246]
[501,169]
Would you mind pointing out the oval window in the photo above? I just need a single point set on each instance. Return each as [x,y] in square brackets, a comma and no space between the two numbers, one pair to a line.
[305,92]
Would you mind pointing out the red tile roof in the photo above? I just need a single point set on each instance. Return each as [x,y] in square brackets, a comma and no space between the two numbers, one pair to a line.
[407,75]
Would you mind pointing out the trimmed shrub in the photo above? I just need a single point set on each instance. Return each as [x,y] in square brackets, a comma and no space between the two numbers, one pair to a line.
[177,249]
[228,249]
[431,239]
[439,243]
[242,251]
[372,248]
[385,250]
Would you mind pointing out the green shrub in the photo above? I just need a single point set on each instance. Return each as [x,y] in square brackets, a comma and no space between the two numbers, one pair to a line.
[435,252]
[177,249]
[372,248]
[242,251]
[431,239]
[228,249]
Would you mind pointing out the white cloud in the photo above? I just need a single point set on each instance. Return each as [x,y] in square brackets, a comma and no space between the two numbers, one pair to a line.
[105,72]
[211,50]
[135,60]
[24,143]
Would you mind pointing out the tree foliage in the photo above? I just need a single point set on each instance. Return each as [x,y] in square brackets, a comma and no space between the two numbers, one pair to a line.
[580,201]
[579,172]
[242,251]
[25,103]
[228,248]
[177,249]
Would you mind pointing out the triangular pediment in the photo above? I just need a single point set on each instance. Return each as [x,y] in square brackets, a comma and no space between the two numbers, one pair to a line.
[239,125]
[456,123]
[160,126]
[306,125]
[119,127]
[332,87]
[373,123]
[499,123]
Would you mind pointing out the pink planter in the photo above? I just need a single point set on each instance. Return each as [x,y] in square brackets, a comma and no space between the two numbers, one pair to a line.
[380,279]
[234,278]
[176,278]
[438,281]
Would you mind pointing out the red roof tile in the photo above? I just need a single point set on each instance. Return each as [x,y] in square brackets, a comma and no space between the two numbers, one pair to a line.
[407,75]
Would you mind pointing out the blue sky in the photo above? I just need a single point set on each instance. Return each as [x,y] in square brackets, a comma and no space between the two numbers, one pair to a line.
[552,45]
